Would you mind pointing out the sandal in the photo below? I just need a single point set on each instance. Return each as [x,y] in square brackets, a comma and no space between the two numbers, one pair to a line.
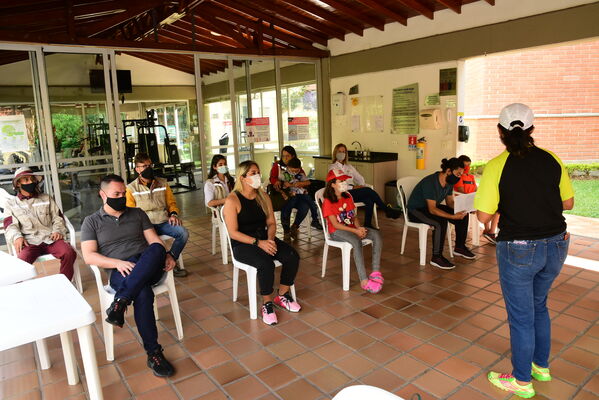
[377,276]
[373,286]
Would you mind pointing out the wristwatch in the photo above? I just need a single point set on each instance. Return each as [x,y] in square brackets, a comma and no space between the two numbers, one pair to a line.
[255,242]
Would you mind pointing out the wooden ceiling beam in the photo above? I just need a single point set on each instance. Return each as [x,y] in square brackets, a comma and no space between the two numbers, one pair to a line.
[279,23]
[165,63]
[202,34]
[344,8]
[419,7]
[326,15]
[455,5]
[394,15]
[225,29]
[280,11]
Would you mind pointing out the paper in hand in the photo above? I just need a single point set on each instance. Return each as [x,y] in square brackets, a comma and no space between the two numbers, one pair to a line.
[463,202]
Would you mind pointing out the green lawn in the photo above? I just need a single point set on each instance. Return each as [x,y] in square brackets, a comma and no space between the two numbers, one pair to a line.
[586,198]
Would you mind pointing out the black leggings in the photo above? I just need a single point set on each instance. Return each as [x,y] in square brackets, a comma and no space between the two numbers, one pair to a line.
[264,263]
[369,197]
[440,227]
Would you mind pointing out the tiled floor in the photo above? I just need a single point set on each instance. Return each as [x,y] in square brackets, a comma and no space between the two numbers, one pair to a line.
[431,332]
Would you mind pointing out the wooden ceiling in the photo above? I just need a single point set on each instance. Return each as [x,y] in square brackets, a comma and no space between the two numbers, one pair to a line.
[298,28]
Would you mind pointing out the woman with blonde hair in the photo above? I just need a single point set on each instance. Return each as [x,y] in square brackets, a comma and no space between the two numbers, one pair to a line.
[252,227]
[357,186]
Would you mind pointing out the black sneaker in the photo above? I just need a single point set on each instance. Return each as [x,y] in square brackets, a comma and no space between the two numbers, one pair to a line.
[293,231]
[179,273]
[316,225]
[464,253]
[490,237]
[392,213]
[116,312]
[441,262]
[160,365]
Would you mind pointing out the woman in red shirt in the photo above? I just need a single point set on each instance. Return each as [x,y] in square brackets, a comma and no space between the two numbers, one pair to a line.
[339,211]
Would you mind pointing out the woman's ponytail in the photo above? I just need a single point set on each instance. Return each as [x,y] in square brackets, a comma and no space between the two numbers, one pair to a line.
[517,141]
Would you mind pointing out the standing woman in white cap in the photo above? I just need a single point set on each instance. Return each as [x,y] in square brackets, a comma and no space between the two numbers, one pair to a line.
[530,188]
[34,224]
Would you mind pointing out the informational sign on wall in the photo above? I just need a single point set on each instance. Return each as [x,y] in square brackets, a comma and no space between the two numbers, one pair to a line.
[412,140]
[404,112]
[257,129]
[13,134]
[448,81]
[298,128]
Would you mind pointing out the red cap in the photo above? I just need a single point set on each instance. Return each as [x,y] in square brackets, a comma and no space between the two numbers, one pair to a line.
[337,174]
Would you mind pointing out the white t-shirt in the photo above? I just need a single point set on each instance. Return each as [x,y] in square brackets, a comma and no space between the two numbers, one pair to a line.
[209,188]
[349,170]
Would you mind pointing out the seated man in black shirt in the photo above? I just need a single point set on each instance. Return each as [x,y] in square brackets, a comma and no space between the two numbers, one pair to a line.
[123,240]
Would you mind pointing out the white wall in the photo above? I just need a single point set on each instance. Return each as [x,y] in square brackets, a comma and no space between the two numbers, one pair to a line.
[440,144]
[475,14]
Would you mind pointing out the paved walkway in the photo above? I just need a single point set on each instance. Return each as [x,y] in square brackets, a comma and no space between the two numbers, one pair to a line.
[583,226]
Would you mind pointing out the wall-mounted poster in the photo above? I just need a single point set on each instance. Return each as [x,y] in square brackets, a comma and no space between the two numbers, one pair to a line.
[448,81]
[404,112]
[298,128]
[13,135]
[257,129]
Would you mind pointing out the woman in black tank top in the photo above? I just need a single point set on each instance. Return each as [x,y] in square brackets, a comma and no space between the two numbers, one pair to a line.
[251,225]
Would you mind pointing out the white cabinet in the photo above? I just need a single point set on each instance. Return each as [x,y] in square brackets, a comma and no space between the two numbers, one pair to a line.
[374,173]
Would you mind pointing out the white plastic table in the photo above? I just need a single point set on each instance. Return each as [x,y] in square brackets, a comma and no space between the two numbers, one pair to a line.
[49,306]
[13,270]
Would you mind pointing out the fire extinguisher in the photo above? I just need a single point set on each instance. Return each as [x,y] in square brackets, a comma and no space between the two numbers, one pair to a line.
[421,153]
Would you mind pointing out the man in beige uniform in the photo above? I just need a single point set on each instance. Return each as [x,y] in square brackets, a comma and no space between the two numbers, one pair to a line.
[34,224]
[153,195]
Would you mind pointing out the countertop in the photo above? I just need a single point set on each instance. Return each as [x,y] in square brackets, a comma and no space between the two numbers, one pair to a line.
[375,157]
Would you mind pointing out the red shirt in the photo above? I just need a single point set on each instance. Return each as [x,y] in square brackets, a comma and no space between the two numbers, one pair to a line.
[343,209]
[467,182]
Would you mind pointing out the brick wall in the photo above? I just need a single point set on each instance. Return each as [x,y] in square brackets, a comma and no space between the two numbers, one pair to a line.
[551,80]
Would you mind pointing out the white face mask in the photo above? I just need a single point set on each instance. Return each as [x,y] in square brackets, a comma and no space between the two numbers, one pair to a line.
[343,186]
[222,169]
[340,156]
[255,181]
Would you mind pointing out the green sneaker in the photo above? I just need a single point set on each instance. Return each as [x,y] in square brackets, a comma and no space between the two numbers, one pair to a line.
[508,383]
[540,374]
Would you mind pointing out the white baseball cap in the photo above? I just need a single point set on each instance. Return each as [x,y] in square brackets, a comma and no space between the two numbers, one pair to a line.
[516,114]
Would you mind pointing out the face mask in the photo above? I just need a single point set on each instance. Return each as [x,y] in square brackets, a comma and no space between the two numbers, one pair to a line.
[343,186]
[467,169]
[255,181]
[222,169]
[29,187]
[147,174]
[340,156]
[452,179]
[117,203]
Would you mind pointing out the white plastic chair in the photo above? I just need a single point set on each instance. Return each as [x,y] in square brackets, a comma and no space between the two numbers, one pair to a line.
[345,247]
[375,215]
[4,196]
[217,225]
[361,392]
[405,186]
[251,275]
[179,261]
[106,293]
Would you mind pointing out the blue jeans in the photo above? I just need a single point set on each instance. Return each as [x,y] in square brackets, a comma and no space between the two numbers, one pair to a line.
[137,288]
[179,233]
[301,202]
[527,269]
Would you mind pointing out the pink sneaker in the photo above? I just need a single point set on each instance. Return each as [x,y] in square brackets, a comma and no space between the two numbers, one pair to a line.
[268,314]
[286,302]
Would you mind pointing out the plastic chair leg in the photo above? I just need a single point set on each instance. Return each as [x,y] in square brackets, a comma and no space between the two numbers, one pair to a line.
[214,239]
[473,220]
[403,238]
[42,352]
[69,357]
[108,339]
[172,296]
[325,254]
[292,290]
[180,261]
[345,264]
[224,248]
[77,276]
[449,241]
[90,364]
[422,245]
[251,278]
[156,310]
[235,282]
[376,216]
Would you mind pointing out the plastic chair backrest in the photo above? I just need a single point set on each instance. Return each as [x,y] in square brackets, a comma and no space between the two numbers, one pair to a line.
[405,186]
[4,196]
[319,197]
[221,215]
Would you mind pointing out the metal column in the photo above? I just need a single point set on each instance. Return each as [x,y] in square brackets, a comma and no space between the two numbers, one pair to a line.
[234,116]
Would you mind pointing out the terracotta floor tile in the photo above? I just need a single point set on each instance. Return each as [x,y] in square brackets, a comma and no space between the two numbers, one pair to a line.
[278,375]
[568,372]
[556,389]
[258,361]
[588,343]
[248,388]
[436,383]
[379,352]
[242,346]
[299,390]
[16,368]
[423,331]
[286,349]
[458,369]
[478,355]
[163,393]
[450,343]
[332,351]
[355,365]
[228,372]
[335,328]
[306,363]
[356,340]
[144,382]
[468,393]
[399,320]
[328,379]
[468,331]
[116,391]
[20,384]
[408,391]
[185,367]
[429,354]
[593,384]
[195,386]
[407,367]
[403,341]
[581,358]
[586,395]
[358,319]
[495,343]
[378,330]
[312,338]
[198,343]
[215,395]
[383,379]
[211,357]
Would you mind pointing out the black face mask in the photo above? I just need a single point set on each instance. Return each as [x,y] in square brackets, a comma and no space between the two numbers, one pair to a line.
[29,187]
[451,179]
[147,174]
[117,203]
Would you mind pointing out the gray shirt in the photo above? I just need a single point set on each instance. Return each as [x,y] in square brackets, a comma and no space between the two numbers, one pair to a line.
[120,238]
